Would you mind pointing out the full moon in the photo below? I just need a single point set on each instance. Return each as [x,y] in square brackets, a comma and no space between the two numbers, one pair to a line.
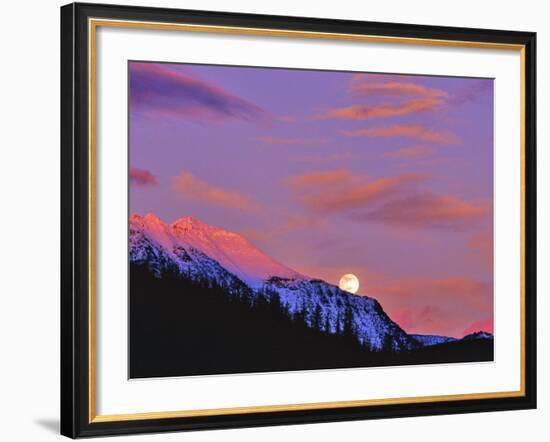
[349,282]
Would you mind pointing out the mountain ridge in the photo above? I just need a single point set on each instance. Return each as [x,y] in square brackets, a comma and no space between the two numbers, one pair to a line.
[199,251]
[231,250]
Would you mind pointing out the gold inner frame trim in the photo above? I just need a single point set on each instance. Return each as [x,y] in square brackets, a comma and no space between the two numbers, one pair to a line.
[93,24]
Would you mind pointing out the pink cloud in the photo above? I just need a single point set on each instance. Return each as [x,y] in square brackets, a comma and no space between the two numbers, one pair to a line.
[428,209]
[365,112]
[329,177]
[361,195]
[414,131]
[394,200]
[363,78]
[399,95]
[402,96]
[407,86]
[290,141]
[409,152]
[339,191]
[142,177]
[395,88]
[193,188]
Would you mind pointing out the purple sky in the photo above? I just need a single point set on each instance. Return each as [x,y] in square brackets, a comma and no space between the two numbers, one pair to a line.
[388,177]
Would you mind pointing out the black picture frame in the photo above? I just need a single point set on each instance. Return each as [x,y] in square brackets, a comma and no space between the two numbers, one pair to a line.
[75,221]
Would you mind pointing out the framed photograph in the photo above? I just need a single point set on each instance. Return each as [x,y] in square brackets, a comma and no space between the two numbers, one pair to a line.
[275,220]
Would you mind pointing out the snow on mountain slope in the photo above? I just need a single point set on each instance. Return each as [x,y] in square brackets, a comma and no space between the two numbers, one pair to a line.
[152,244]
[233,252]
[428,340]
[331,308]
[478,335]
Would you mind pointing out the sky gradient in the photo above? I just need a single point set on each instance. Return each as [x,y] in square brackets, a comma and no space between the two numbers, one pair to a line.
[388,177]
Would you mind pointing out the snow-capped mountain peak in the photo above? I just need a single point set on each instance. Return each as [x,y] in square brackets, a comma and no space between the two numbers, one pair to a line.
[231,250]
[189,223]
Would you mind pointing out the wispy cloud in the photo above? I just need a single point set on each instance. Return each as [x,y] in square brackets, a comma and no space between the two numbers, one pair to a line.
[389,86]
[427,209]
[340,191]
[387,96]
[142,177]
[365,112]
[189,186]
[395,200]
[291,141]
[413,131]
[322,178]
[316,159]
[409,152]
[161,89]
[403,87]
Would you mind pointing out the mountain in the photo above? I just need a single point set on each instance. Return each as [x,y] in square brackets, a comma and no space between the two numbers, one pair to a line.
[202,252]
[153,244]
[478,335]
[428,340]
[229,250]
[331,308]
